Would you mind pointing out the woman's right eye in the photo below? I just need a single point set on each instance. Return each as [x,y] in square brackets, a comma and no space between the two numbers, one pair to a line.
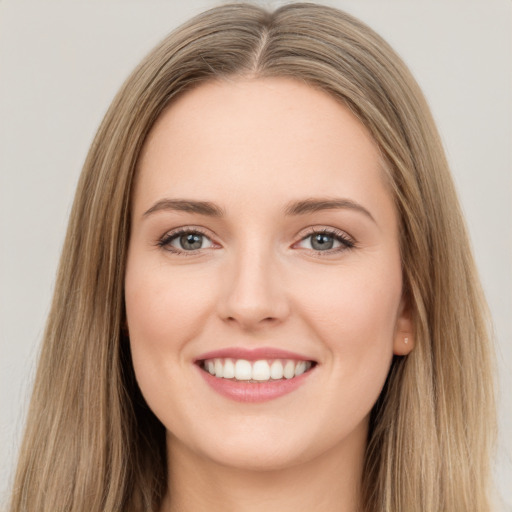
[185,241]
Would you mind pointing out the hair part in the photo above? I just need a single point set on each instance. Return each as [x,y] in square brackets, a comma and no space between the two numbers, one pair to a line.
[92,443]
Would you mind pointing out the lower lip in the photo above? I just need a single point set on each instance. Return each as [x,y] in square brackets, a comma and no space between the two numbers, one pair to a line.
[242,391]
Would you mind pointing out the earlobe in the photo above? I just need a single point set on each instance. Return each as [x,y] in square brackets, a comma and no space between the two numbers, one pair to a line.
[403,343]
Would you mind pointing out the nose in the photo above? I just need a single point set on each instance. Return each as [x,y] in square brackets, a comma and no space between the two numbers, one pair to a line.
[254,294]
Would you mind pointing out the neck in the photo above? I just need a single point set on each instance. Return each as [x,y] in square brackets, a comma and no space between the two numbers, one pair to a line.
[330,482]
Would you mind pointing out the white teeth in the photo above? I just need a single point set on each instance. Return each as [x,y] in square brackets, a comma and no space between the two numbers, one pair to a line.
[300,368]
[218,368]
[243,370]
[289,370]
[276,370]
[261,370]
[229,369]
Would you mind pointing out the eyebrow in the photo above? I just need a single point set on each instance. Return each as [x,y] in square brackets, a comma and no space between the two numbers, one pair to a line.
[293,208]
[318,204]
[186,205]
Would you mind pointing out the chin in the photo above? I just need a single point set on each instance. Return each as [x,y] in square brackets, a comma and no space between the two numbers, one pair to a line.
[252,457]
[271,444]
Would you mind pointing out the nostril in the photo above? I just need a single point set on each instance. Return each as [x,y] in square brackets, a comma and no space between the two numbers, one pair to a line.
[248,320]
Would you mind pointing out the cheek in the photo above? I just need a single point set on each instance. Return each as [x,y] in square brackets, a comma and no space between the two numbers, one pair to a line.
[162,305]
[354,308]
[355,318]
[165,309]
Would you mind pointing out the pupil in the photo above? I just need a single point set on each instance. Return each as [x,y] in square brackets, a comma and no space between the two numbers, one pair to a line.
[191,241]
[322,242]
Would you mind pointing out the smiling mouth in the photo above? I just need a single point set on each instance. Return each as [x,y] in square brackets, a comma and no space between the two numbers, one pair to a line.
[262,370]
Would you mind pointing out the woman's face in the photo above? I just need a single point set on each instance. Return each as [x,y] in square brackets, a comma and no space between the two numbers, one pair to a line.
[264,248]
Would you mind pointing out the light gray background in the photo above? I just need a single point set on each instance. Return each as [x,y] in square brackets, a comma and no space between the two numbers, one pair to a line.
[61,62]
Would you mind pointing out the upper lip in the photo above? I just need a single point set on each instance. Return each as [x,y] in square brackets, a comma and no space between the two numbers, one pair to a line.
[253,354]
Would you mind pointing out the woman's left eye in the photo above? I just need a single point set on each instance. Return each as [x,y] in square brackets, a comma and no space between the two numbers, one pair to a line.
[325,240]
[185,241]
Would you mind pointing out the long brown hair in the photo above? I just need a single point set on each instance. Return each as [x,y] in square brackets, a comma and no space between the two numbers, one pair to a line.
[92,444]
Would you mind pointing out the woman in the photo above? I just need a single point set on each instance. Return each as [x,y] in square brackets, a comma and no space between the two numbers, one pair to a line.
[266,295]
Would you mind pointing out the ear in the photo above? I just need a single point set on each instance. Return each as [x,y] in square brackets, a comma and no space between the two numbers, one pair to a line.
[404,341]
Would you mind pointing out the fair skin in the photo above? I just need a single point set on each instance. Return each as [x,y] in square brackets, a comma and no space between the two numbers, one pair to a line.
[267,264]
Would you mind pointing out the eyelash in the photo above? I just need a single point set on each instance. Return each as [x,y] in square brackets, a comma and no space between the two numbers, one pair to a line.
[337,235]
[165,241]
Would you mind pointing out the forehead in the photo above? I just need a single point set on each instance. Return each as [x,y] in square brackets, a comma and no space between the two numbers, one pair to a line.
[258,139]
